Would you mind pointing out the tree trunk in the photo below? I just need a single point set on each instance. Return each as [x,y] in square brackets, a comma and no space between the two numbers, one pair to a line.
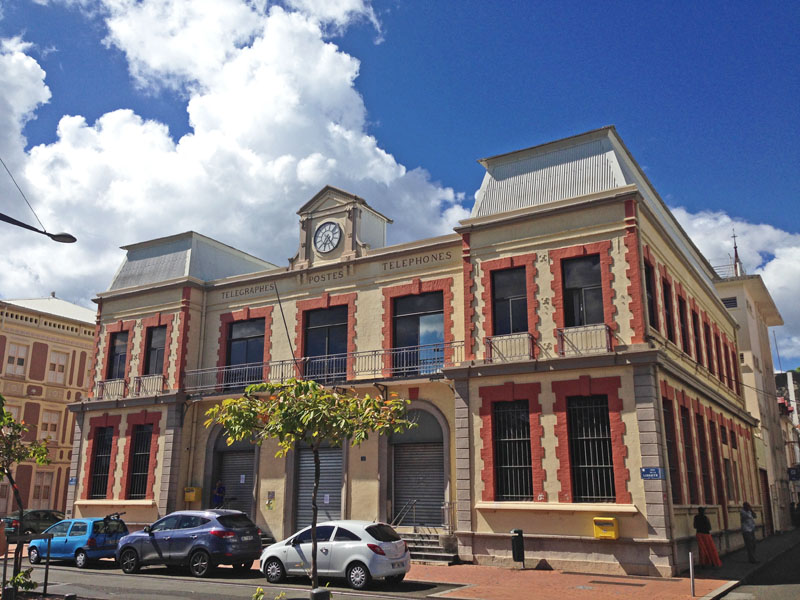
[21,528]
[314,579]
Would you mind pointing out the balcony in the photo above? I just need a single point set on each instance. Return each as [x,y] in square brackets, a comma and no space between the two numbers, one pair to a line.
[147,385]
[408,362]
[510,347]
[110,389]
[583,340]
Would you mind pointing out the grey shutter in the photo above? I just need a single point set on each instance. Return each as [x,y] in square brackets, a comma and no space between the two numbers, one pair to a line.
[234,466]
[418,475]
[330,485]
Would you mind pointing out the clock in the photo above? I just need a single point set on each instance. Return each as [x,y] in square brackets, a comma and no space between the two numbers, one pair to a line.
[327,237]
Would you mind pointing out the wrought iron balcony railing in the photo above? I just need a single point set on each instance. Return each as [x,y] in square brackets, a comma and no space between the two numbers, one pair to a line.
[585,339]
[110,389]
[147,385]
[510,347]
[412,361]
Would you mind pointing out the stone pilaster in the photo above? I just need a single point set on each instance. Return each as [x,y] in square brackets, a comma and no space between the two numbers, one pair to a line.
[463,440]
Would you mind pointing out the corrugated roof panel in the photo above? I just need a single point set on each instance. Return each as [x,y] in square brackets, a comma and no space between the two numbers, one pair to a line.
[524,181]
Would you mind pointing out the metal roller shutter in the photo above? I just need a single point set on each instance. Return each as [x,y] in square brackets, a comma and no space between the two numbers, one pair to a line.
[418,475]
[330,486]
[237,476]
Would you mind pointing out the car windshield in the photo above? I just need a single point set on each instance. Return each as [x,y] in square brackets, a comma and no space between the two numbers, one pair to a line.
[383,533]
[235,521]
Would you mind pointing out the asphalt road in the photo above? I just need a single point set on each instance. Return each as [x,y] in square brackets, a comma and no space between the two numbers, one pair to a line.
[105,581]
[779,580]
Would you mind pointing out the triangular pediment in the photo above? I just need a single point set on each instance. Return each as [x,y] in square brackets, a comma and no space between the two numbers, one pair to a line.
[328,198]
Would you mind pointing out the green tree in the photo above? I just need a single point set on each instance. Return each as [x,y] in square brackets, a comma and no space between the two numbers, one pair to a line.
[13,451]
[302,411]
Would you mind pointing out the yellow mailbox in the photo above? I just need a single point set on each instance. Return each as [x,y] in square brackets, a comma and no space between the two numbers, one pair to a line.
[191,494]
[606,528]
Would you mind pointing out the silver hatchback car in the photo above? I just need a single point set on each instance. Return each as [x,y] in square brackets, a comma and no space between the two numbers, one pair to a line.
[355,550]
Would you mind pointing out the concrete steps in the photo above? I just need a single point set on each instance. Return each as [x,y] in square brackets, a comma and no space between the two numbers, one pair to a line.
[426,549]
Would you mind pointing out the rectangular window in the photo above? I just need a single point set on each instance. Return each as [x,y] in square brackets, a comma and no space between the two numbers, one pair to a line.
[709,356]
[56,370]
[418,328]
[715,456]
[101,461]
[729,478]
[42,487]
[698,338]
[245,352]
[118,355]
[512,451]
[154,354]
[509,301]
[684,323]
[723,434]
[735,370]
[672,451]
[13,411]
[140,461]
[730,302]
[669,315]
[590,449]
[650,290]
[583,291]
[688,453]
[326,344]
[49,427]
[734,442]
[728,374]
[702,449]
[718,352]
[15,362]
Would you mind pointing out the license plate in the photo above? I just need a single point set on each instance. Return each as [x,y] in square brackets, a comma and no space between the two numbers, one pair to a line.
[397,565]
[247,538]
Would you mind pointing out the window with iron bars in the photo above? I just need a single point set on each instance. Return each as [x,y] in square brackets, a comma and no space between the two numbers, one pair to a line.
[140,461]
[101,461]
[705,467]
[672,451]
[688,452]
[512,451]
[590,449]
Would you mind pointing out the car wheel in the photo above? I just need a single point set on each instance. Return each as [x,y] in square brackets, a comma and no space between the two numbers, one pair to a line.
[396,578]
[274,571]
[81,559]
[129,561]
[33,555]
[200,563]
[358,576]
[242,567]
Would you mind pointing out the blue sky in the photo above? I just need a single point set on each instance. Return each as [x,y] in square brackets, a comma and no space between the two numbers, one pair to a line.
[705,95]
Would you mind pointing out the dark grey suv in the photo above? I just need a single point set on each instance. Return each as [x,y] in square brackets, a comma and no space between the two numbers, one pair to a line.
[201,539]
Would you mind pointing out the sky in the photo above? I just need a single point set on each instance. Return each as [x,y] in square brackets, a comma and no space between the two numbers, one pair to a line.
[126,120]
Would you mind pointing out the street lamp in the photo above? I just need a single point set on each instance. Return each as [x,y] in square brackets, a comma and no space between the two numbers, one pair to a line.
[64,238]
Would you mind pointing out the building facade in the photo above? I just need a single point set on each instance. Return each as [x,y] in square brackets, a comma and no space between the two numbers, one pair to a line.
[749,302]
[45,345]
[564,351]
[788,389]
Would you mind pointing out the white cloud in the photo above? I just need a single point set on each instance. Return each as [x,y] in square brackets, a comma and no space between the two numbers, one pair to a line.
[764,250]
[274,115]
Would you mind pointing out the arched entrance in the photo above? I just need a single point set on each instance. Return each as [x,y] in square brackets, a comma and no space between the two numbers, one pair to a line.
[418,481]
[235,466]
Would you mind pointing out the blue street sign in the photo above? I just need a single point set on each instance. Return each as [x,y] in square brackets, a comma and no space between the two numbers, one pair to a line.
[73,480]
[652,473]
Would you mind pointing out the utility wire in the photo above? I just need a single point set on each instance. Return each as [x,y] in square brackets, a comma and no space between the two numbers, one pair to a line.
[23,194]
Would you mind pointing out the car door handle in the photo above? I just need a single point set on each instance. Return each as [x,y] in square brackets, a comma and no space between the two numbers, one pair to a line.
[167,537]
[323,550]
[194,537]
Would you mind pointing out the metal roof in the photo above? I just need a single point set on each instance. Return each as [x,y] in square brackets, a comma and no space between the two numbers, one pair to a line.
[55,307]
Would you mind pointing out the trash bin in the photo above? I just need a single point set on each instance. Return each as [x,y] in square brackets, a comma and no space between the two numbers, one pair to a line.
[517,546]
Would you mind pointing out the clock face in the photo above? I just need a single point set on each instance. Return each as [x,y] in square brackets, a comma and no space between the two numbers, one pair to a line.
[327,237]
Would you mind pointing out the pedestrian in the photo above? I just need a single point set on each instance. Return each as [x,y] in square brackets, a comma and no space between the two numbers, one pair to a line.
[749,531]
[709,557]
[218,498]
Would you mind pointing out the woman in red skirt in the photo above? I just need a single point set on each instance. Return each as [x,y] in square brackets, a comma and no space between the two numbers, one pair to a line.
[705,543]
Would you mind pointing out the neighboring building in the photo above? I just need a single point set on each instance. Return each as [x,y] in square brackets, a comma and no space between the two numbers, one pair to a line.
[564,351]
[45,345]
[749,302]
[788,389]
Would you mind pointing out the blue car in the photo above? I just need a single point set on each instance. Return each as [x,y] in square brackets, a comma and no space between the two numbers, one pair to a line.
[201,539]
[80,540]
